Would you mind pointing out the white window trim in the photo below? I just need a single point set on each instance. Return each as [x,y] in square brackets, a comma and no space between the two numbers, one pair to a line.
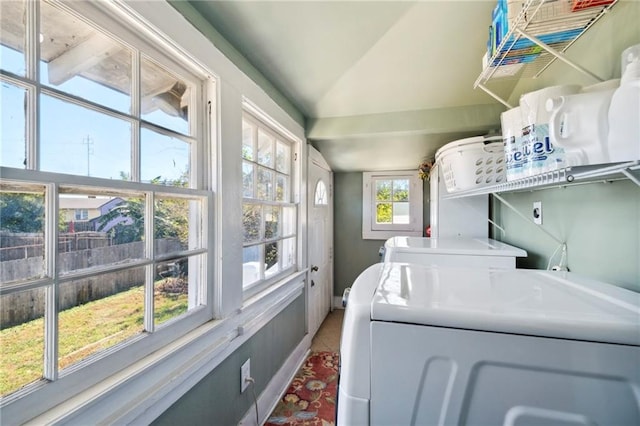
[134,395]
[265,122]
[78,383]
[413,228]
[143,391]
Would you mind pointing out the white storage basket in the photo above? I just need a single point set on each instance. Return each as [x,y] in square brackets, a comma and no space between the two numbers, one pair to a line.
[472,163]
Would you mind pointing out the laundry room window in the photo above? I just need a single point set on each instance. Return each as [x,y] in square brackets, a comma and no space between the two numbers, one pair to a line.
[269,212]
[104,197]
[392,205]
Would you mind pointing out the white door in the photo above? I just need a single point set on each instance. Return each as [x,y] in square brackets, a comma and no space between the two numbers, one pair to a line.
[320,242]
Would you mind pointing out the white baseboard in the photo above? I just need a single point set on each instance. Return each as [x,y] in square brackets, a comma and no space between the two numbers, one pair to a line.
[337,302]
[278,385]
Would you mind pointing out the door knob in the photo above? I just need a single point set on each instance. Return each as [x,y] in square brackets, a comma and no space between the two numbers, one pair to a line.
[314,269]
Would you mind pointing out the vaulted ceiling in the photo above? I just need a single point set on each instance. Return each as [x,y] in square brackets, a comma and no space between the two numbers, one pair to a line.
[382,84]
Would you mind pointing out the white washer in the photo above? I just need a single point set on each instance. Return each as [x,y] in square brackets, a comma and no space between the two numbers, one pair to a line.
[452,251]
[438,346]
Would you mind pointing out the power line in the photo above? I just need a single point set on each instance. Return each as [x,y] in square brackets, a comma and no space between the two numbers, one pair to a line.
[89,142]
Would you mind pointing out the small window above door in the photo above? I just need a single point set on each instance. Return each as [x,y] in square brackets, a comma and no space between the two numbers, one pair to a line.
[321,197]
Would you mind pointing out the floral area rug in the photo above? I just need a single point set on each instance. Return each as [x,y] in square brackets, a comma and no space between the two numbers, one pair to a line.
[311,397]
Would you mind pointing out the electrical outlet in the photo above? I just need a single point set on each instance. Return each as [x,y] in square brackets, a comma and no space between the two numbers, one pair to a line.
[245,374]
[537,212]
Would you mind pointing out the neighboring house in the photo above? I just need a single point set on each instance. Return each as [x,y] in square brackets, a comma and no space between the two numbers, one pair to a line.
[106,208]
[81,209]
[89,210]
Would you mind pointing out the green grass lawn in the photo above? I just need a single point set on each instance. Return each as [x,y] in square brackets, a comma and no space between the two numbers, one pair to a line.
[83,331]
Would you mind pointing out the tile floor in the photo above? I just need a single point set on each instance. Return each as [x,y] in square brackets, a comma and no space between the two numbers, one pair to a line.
[328,336]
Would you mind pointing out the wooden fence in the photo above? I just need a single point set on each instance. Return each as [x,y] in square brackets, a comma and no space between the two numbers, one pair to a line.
[22,306]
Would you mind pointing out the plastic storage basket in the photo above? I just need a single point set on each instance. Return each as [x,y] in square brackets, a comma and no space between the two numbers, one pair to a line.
[472,163]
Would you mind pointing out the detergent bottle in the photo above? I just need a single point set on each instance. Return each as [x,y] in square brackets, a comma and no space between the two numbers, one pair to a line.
[624,111]
[580,123]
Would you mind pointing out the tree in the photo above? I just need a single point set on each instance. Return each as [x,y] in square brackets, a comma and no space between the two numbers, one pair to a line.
[383,212]
[126,231]
[388,192]
[21,212]
[171,216]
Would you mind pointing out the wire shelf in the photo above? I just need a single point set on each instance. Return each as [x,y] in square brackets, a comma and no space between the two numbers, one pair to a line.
[563,177]
[552,22]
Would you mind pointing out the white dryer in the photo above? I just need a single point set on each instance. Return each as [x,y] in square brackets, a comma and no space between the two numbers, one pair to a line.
[452,251]
[429,345]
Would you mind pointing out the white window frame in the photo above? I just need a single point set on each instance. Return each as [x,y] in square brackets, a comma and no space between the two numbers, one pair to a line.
[264,122]
[324,196]
[371,231]
[81,214]
[43,395]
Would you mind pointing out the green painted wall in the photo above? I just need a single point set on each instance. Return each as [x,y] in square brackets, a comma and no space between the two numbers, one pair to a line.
[216,400]
[352,253]
[600,222]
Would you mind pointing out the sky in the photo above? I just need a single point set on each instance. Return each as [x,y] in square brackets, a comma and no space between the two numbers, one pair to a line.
[80,141]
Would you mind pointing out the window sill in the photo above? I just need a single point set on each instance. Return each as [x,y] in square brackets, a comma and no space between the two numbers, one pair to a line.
[143,391]
[385,235]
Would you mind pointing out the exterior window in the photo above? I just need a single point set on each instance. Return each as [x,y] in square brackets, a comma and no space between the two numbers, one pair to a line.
[102,133]
[269,215]
[392,205]
[82,214]
[320,196]
[392,202]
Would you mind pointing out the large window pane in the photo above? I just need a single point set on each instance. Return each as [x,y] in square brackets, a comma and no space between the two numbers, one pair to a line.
[251,265]
[70,116]
[171,290]
[282,188]
[272,259]
[81,141]
[21,235]
[384,213]
[78,59]
[12,36]
[166,99]
[265,148]
[248,141]
[251,222]
[99,312]
[13,146]
[401,190]
[289,221]
[112,233]
[271,222]
[21,339]
[401,214]
[283,157]
[247,179]
[164,159]
[265,185]
[383,190]
[174,230]
[288,253]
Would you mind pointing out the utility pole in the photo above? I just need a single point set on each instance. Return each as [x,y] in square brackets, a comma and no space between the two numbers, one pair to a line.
[89,142]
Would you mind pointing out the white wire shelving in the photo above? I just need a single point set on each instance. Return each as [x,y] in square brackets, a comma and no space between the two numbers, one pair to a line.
[523,51]
[560,178]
